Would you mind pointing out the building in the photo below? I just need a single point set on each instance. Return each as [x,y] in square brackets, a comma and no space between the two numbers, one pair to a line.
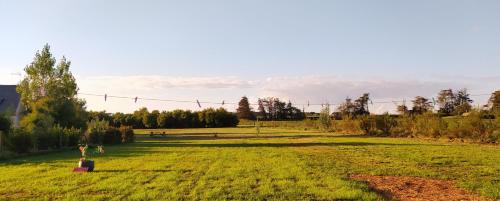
[10,103]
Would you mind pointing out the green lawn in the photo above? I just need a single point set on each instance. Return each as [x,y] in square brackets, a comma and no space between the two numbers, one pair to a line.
[192,164]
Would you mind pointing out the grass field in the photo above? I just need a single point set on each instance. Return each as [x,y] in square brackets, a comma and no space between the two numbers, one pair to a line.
[235,163]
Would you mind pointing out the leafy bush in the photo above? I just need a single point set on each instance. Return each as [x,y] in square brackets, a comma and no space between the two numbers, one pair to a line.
[368,124]
[127,134]
[348,125]
[19,141]
[377,124]
[404,127]
[38,125]
[111,136]
[95,131]
[429,125]
[475,128]
[5,124]
[325,121]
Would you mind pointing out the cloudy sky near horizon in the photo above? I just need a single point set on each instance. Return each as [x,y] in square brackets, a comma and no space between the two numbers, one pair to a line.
[319,51]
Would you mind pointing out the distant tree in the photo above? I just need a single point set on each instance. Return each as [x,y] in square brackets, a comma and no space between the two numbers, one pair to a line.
[347,108]
[56,85]
[494,103]
[244,111]
[324,118]
[462,102]
[262,109]
[139,116]
[361,105]
[356,108]
[421,105]
[402,109]
[150,120]
[271,108]
[446,101]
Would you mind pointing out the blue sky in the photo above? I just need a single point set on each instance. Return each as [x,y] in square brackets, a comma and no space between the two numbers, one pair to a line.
[317,51]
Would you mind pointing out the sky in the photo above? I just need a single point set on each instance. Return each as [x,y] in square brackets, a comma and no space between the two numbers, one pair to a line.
[318,51]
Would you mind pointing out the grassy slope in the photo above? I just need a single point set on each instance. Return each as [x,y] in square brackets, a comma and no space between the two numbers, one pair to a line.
[278,164]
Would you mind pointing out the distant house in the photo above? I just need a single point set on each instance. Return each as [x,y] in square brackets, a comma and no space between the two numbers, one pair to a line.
[10,103]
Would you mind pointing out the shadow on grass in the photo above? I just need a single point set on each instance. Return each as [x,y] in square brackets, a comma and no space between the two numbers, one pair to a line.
[304,144]
[128,171]
[220,136]
[146,146]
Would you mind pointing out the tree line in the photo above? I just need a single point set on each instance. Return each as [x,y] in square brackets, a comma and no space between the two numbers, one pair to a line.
[269,108]
[462,122]
[142,118]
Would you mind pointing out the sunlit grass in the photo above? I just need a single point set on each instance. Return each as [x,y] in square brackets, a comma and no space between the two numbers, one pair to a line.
[236,164]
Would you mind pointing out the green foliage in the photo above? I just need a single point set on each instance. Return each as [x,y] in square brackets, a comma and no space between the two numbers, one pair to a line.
[244,111]
[272,108]
[5,124]
[475,128]
[212,118]
[54,86]
[325,121]
[127,134]
[19,141]
[96,129]
[429,125]
[405,125]
[494,103]
[357,108]
[348,125]
[100,132]
[377,125]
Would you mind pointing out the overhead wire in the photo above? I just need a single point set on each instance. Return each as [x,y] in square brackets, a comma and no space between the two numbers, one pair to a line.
[196,101]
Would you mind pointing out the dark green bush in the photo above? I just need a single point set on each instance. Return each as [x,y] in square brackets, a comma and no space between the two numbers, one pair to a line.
[111,136]
[5,124]
[19,141]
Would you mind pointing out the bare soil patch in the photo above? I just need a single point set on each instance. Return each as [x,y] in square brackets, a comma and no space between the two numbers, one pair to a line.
[416,188]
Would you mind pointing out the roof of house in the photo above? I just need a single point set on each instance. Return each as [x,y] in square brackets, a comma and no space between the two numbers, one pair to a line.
[9,98]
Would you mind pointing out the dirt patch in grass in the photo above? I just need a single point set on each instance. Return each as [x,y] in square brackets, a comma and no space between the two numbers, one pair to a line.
[416,188]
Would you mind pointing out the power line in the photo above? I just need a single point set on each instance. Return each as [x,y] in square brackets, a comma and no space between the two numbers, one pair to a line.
[106,96]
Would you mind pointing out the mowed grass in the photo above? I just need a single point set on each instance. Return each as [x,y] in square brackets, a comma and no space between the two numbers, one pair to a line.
[237,164]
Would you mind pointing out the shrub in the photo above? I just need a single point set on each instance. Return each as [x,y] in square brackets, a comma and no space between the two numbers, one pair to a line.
[430,125]
[19,141]
[367,123]
[325,121]
[38,125]
[111,136]
[5,124]
[475,128]
[404,126]
[96,131]
[347,125]
[127,134]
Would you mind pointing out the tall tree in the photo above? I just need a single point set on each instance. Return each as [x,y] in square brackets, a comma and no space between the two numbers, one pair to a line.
[262,109]
[361,105]
[347,108]
[56,85]
[421,105]
[446,102]
[244,111]
[402,109]
[462,102]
